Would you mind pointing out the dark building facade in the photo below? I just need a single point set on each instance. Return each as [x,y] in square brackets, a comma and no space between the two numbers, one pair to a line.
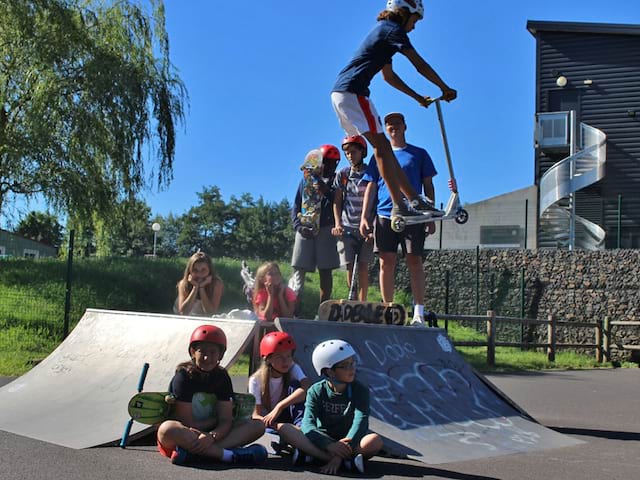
[594,70]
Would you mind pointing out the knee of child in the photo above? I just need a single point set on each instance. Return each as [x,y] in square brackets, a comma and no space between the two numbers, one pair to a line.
[257,426]
[168,428]
[375,442]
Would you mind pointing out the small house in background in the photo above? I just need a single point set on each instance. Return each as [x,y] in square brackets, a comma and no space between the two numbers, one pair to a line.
[587,155]
[586,192]
[13,245]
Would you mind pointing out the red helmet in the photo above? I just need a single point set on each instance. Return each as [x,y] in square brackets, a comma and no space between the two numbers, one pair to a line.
[330,152]
[276,342]
[208,333]
[356,139]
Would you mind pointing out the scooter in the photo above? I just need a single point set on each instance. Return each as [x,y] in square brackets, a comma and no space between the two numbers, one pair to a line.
[454,210]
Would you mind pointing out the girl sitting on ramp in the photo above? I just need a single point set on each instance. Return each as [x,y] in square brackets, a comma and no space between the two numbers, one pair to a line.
[336,416]
[280,386]
[272,297]
[199,289]
[198,432]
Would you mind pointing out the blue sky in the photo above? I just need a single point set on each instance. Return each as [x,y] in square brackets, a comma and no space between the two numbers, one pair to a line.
[259,79]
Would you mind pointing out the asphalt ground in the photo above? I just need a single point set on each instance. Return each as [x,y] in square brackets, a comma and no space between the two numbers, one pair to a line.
[599,407]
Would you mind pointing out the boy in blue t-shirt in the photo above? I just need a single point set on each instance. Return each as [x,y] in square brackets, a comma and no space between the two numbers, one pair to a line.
[355,110]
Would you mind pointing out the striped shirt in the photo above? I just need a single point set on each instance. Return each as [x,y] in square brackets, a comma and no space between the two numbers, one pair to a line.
[352,187]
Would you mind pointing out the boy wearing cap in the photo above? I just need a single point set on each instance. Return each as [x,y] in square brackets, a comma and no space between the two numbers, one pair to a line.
[419,169]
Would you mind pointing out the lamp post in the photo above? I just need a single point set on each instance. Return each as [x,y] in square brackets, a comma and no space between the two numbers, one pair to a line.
[156,228]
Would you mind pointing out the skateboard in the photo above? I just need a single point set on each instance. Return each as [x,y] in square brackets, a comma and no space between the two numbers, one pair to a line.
[362,312]
[309,214]
[152,408]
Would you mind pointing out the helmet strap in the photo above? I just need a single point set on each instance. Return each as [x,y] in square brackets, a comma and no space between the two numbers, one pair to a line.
[271,367]
[358,165]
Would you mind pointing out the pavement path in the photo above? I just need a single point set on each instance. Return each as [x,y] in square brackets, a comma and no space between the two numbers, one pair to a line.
[599,407]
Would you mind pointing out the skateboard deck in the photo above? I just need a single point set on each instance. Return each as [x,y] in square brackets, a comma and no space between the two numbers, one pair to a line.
[362,312]
[151,408]
[309,214]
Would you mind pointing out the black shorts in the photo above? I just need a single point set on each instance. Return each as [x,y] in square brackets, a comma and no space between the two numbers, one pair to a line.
[387,240]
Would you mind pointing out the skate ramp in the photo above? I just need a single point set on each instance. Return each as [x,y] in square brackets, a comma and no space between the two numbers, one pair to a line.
[425,399]
[77,397]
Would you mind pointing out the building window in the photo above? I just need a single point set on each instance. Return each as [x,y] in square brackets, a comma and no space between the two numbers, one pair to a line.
[501,236]
[29,253]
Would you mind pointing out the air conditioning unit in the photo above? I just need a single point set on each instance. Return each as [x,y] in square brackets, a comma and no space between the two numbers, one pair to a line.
[552,130]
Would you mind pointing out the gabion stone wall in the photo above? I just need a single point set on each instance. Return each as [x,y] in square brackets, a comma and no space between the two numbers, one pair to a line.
[581,286]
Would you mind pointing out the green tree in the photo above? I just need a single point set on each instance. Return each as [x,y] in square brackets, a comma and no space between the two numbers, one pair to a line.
[42,227]
[243,228]
[127,232]
[170,228]
[260,230]
[86,87]
[206,226]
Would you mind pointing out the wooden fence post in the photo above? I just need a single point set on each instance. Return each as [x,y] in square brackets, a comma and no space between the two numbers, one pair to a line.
[491,338]
[551,339]
[606,339]
[599,341]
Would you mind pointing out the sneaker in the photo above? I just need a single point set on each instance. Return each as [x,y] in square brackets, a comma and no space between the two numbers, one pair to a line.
[180,456]
[402,210]
[355,464]
[358,463]
[417,322]
[422,206]
[298,458]
[278,447]
[253,454]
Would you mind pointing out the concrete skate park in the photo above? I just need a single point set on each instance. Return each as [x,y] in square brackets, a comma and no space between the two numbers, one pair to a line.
[439,418]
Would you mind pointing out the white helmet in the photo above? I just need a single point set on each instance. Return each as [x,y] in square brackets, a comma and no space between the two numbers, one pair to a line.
[330,352]
[414,6]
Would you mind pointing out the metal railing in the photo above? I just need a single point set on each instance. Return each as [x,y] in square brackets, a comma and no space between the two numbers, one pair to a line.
[562,180]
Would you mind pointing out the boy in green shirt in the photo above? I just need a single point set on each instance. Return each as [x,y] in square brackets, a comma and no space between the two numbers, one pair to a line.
[336,416]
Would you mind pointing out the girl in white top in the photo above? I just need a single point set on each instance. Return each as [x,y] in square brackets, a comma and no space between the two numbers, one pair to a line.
[280,386]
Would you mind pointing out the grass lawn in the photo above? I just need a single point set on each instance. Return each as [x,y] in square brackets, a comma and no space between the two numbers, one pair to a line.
[33,293]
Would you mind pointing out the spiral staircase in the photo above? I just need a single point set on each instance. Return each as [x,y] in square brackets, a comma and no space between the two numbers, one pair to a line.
[559,224]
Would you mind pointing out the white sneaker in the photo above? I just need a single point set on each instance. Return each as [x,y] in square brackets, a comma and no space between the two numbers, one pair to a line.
[417,322]
[358,462]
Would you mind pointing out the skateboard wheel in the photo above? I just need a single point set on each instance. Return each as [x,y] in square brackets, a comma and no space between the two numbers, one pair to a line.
[398,224]
[462,216]
[170,399]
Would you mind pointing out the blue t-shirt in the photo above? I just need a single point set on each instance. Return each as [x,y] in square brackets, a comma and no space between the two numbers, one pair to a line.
[415,162]
[386,39]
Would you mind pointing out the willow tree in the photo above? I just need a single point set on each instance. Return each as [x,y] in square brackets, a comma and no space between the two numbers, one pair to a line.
[89,101]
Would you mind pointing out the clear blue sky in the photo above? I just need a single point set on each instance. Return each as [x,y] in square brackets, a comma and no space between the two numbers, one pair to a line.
[259,78]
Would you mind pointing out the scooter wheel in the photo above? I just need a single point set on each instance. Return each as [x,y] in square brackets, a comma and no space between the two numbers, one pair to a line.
[462,216]
[398,224]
